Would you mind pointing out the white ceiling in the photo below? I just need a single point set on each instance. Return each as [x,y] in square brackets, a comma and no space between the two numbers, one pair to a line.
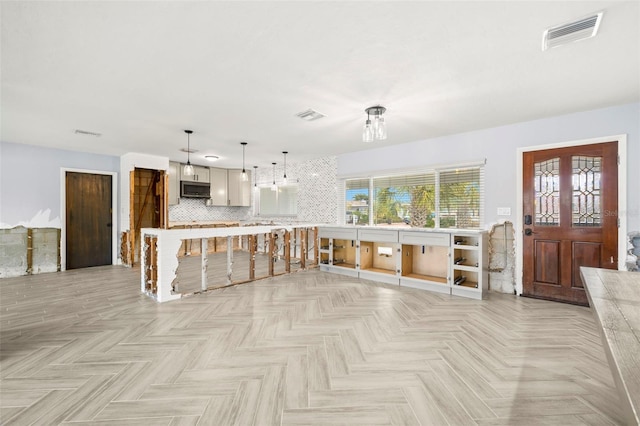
[141,72]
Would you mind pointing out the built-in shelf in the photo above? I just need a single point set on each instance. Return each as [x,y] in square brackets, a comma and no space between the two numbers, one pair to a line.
[442,261]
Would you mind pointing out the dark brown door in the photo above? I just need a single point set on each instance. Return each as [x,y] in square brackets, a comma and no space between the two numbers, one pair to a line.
[570,200]
[88,221]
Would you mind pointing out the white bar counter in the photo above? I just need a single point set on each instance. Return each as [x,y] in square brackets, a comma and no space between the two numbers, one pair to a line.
[614,297]
[168,242]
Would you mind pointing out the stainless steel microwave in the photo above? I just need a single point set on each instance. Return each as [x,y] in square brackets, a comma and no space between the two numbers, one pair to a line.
[195,189]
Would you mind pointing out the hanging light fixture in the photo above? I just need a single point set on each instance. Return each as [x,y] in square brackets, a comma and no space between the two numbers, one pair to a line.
[244,172]
[255,177]
[188,169]
[274,187]
[285,167]
[376,130]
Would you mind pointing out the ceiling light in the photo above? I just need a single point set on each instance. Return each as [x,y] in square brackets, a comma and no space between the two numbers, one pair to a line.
[188,169]
[285,167]
[274,187]
[211,157]
[376,130]
[255,177]
[244,172]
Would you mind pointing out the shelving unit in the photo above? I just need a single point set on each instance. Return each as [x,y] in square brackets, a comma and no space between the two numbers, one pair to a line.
[469,277]
[425,261]
[444,262]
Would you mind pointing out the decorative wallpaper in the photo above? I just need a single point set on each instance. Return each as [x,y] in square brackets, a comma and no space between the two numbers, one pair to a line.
[317,196]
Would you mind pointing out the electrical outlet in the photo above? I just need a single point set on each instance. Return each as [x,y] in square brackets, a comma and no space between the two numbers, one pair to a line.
[504,211]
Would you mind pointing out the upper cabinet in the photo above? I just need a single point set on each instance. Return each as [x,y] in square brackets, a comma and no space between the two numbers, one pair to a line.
[239,190]
[227,186]
[201,174]
[174,183]
[218,186]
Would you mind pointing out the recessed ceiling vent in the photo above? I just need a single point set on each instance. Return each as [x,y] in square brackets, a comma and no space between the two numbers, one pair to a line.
[87,133]
[573,31]
[310,115]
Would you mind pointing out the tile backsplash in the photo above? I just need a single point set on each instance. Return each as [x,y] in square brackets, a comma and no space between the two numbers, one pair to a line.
[191,209]
[317,190]
[317,196]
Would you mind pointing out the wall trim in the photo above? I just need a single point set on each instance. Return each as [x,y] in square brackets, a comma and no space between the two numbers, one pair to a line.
[622,197]
[63,213]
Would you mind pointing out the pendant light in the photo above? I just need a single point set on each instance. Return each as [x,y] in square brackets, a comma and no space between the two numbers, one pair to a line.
[244,172]
[284,181]
[255,177]
[376,130]
[274,187]
[188,169]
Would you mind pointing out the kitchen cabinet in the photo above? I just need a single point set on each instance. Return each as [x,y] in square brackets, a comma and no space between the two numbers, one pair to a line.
[239,191]
[174,183]
[445,261]
[218,181]
[338,251]
[201,174]
[379,255]
[425,261]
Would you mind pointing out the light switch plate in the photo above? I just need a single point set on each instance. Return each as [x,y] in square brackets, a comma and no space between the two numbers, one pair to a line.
[504,211]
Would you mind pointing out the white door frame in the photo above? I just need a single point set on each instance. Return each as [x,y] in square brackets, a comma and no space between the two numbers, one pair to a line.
[63,213]
[622,197]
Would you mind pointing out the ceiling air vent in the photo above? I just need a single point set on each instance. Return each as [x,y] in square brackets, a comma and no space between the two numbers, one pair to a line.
[573,31]
[87,133]
[310,115]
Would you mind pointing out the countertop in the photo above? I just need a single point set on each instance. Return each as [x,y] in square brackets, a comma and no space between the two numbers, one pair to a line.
[614,297]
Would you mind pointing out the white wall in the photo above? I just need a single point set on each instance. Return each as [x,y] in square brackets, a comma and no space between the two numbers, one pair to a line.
[499,146]
[30,182]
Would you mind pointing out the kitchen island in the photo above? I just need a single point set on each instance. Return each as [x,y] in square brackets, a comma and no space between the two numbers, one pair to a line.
[161,248]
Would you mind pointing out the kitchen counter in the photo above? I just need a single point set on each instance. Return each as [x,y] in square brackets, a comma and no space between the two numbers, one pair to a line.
[614,297]
[203,224]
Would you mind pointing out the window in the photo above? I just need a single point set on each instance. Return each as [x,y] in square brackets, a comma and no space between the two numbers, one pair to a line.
[460,199]
[408,199]
[282,202]
[357,201]
[447,198]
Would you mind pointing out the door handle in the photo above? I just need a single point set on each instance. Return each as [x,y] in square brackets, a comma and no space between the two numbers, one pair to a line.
[528,232]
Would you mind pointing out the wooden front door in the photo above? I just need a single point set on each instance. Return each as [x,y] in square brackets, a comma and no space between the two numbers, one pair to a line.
[88,220]
[570,198]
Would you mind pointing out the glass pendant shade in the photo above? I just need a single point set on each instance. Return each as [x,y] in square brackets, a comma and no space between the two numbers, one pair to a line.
[244,172]
[381,131]
[188,169]
[284,179]
[274,187]
[367,132]
[255,177]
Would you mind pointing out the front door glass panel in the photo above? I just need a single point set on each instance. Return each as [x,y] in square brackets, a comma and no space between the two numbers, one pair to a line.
[585,204]
[547,192]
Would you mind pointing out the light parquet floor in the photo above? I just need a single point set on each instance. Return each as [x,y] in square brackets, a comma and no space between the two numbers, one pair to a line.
[85,347]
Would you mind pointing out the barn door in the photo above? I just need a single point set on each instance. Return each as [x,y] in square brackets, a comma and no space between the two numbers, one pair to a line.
[570,198]
[88,220]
